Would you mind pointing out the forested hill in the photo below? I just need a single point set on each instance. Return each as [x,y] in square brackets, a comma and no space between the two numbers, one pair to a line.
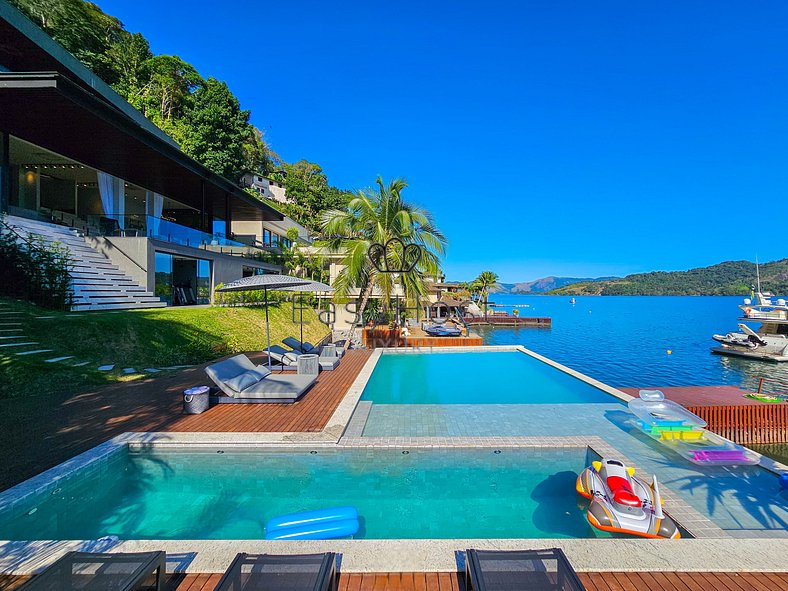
[200,113]
[729,278]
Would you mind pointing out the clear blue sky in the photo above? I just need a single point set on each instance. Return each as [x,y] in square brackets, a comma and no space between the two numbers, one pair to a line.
[548,137]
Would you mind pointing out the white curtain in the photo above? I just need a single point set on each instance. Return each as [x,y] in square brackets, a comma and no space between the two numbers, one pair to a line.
[113,196]
[107,191]
[155,205]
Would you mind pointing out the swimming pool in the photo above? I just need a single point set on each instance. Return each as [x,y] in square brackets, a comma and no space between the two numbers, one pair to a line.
[500,377]
[399,493]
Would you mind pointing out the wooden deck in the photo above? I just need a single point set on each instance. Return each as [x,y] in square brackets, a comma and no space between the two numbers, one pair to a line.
[311,413]
[704,395]
[611,581]
[384,337]
[730,414]
[45,434]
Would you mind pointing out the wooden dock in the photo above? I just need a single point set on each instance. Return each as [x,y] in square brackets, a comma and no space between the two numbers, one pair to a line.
[501,320]
[435,581]
[730,414]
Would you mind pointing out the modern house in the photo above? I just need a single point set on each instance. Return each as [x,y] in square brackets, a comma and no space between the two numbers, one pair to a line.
[268,188]
[79,165]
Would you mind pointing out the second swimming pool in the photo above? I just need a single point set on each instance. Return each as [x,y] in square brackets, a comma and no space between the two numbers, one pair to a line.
[399,493]
[501,377]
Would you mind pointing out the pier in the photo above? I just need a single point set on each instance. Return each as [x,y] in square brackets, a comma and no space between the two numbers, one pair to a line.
[507,320]
[730,414]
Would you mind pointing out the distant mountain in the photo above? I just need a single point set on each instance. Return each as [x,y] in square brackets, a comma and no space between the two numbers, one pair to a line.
[728,278]
[542,285]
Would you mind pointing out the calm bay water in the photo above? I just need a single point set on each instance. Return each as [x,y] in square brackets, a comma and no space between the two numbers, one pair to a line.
[624,341]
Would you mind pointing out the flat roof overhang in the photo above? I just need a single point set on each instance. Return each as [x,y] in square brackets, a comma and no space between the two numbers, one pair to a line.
[51,111]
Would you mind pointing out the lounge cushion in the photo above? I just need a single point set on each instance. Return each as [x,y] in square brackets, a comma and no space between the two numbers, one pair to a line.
[228,369]
[241,382]
[279,386]
[262,371]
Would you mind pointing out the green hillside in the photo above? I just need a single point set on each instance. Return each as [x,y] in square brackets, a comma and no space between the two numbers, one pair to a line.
[729,278]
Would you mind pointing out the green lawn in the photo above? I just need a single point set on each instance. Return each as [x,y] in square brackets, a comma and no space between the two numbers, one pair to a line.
[135,338]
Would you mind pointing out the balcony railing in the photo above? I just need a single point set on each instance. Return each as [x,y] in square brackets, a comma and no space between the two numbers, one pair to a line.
[148,226]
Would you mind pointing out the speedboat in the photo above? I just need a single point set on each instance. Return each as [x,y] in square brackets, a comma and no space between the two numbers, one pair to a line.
[441,330]
[623,503]
[684,432]
[770,341]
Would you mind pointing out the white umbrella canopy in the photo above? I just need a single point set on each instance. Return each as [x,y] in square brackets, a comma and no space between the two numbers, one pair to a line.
[264,282]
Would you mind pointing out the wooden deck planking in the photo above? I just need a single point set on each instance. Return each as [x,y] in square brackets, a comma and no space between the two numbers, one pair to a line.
[309,414]
[606,581]
[48,432]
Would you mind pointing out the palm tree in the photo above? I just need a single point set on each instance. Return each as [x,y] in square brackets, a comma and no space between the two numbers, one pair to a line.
[482,285]
[375,217]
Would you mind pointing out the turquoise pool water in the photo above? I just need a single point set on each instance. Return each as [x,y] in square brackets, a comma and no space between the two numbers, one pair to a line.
[420,494]
[475,378]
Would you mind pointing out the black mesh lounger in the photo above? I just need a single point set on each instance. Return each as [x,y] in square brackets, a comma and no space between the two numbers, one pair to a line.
[520,570]
[90,571]
[273,572]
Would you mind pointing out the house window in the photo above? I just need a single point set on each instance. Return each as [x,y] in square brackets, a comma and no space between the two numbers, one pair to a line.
[275,240]
[267,237]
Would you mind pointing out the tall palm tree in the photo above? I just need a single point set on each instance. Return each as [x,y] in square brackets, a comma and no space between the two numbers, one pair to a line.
[375,217]
[482,285]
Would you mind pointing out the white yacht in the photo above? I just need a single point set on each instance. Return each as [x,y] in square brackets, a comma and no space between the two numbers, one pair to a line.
[770,341]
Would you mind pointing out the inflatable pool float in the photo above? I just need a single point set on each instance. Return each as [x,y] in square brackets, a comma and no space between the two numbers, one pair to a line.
[685,433]
[322,524]
[622,503]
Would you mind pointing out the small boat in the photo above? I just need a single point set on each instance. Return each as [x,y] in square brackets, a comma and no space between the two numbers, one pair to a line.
[573,301]
[441,330]
[321,524]
[685,433]
[770,341]
[622,503]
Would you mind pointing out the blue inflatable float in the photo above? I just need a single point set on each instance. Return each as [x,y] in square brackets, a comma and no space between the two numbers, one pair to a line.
[322,524]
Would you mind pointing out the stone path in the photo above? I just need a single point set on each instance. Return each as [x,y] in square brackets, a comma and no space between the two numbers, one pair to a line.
[13,339]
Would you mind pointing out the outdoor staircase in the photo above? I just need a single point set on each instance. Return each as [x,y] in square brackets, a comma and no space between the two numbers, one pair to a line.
[96,282]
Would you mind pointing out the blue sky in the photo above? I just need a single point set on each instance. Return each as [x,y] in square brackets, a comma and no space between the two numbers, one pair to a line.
[548,137]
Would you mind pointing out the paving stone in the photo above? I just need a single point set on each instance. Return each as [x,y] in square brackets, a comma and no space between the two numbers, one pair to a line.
[106,367]
[58,359]
[35,352]
[80,364]
[5,338]
[129,370]
[151,370]
[18,344]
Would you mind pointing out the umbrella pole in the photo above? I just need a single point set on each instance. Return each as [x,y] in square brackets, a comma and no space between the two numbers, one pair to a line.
[301,312]
[267,328]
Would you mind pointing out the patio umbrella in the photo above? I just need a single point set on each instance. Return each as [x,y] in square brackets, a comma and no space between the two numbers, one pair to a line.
[310,287]
[264,282]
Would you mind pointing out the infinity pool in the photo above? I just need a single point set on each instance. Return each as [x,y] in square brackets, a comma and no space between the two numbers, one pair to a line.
[501,377]
[416,493]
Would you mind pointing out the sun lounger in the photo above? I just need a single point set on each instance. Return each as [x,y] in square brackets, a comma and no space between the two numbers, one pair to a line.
[93,571]
[307,347]
[288,360]
[294,572]
[244,382]
[520,570]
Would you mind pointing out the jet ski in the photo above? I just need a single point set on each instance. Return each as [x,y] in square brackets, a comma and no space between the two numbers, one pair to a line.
[622,503]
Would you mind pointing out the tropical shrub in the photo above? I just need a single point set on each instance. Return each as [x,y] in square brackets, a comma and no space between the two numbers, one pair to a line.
[34,270]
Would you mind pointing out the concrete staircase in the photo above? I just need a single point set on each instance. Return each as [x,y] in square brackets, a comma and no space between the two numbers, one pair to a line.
[97,283]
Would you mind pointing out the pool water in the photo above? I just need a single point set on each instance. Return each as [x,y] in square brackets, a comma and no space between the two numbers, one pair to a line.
[501,377]
[446,493]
